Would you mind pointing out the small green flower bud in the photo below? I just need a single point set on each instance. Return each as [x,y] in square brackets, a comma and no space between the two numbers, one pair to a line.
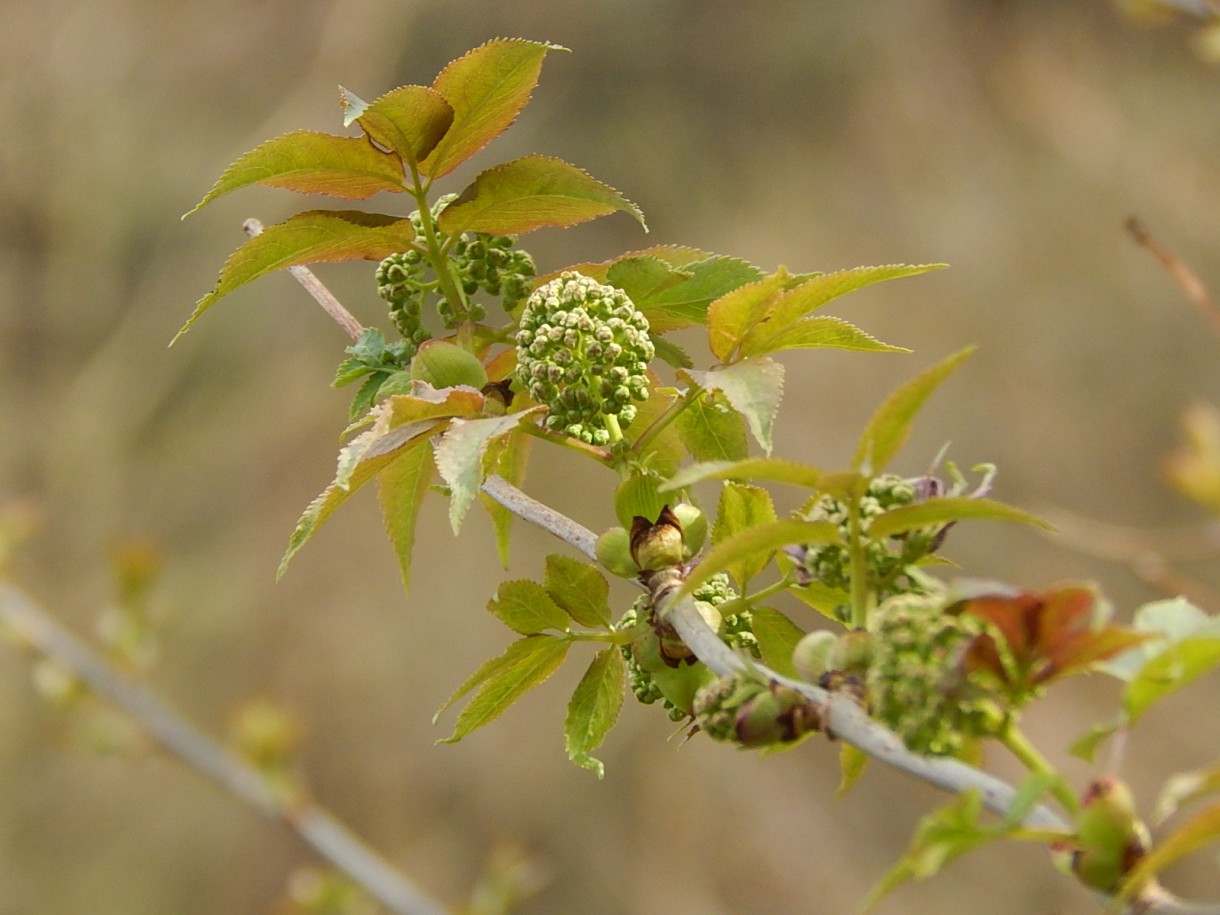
[814,654]
[1111,836]
[693,522]
[445,365]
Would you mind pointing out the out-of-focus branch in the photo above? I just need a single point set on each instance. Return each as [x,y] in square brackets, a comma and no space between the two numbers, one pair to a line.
[320,830]
[1179,271]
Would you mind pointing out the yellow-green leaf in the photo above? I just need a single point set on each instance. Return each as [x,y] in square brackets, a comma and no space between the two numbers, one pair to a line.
[1184,788]
[579,589]
[742,506]
[852,762]
[763,539]
[735,313]
[947,509]
[711,430]
[529,193]
[313,163]
[753,387]
[501,681]
[311,237]
[525,607]
[890,425]
[777,637]
[817,332]
[772,470]
[409,120]
[594,708]
[487,88]
[401,488]
[1200,831]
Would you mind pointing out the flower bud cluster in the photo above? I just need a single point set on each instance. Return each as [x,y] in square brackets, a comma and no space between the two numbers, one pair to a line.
[583,351]
[916,681]
[478,262]
[752,713]
[889,562]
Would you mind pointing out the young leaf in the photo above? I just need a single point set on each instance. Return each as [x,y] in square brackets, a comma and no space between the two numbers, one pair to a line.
[312,163]
[644,276]
[1172,669]
[1168,622]
[818,332]
[409,120]
[742,506]
[735,314]
[307,238]
[753,387]
[852,761]
[664,453]
[594,708]
[529,193]
[525,607]
[772,470]
[459,458]
[401,488]
[487,88]
[501,681]
[945,510]
[639,495]
[511,457]
[1200,831]
[579,589]
[777,637]
[711,430]
[889,427]
[1184,788]
[686,303]
[765,539]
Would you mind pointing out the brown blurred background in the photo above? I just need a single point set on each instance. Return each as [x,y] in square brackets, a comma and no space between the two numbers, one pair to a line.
[1010,140]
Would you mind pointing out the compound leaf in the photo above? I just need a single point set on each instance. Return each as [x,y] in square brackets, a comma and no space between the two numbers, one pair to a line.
[753,387]
[579,589]
[525,607]
[594,708]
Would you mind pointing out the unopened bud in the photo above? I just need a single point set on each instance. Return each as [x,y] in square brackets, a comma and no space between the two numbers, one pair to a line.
[659,545]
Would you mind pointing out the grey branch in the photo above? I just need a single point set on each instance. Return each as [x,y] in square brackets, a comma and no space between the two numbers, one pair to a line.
[319,829]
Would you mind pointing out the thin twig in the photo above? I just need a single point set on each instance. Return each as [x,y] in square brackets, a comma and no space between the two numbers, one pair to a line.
[315,288]
[1179,271]
[318,828]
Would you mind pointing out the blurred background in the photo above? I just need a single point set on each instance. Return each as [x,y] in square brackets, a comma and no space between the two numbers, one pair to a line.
[1008,139]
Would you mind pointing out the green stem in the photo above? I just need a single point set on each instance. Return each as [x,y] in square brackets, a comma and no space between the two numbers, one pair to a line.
[860,597]
[658,425]
[1019,746]
[437,252]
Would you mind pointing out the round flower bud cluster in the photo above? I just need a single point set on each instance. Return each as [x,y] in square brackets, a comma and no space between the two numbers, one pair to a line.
[583,351]
[888,561]
[916,681]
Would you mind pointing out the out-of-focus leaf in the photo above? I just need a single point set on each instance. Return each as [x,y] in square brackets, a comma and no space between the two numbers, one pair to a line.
[1194,468]
[763,539]
[525,607]
[594,708]
[409,120]
[1172,669]
[852,762]
[742,506]
[459,458]
[1199,831]
[1167,622]
[312,163]
[1085,746]
[311,237]
[817,332]
[529,193]
[777,637]
[501,681]
[638,495]
[579,589]
[487,88]
[890,425]
[753,387]
[711,430]
[822,598]
[732,316]
[771,470]
[1184,788]
[947,509]
[401,488]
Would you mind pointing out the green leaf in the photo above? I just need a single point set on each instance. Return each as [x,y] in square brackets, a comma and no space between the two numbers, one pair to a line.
[773,470]
[501,681]
[1174,668]
[686,303]
[644,276]
[525,607]
[401,488]
[671,354]
[487,88]
[403,421]
[1171,620]
[852,761]
[312,163]
[742,506]
[664,453]
[311,237]
[510,462]
[639,495]
[594,708]
[947,509]
[818,332]
[529,193]
[1200,831]
[732,316]
[1085,746]
[459,457]
[889,427]
[711,430]
[822,598]
[579,589]
[753,387]
[777,637]
[409,120]
[1184,788]
[761,539]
